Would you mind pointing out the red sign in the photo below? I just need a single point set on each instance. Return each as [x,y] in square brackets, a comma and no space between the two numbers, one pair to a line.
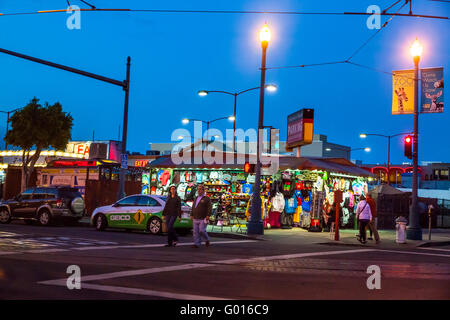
[140,163]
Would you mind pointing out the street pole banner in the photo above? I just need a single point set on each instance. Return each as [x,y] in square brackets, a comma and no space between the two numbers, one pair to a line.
[432,92]
[403,92]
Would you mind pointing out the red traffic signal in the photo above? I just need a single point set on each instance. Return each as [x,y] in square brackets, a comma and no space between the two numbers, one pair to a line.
[408,146]
[249,167]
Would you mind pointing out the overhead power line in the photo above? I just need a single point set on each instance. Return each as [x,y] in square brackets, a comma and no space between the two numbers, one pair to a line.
[94,9]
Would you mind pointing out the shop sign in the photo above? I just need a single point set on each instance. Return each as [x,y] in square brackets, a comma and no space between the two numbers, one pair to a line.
[79,148]
[403,92]
[432,90]
[140,163]
[299,128]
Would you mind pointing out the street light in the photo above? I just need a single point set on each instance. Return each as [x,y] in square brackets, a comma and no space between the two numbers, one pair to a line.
[414,232]
[186,121]
[255,225]
[364,135]
[203,93]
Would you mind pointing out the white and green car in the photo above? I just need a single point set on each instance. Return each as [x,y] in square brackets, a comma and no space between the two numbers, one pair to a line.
[140,212]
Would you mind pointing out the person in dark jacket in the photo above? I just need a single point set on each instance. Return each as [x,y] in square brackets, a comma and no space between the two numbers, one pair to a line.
[201,211]
[172,212]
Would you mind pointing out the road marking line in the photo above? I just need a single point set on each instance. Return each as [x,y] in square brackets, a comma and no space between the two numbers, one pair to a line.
[146,292]
[418,253]
[437,249]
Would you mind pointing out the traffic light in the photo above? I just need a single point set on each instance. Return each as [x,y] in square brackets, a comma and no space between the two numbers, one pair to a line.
[249,167]
[408,147]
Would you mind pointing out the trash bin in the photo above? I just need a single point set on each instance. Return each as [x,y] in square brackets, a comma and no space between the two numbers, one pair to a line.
[400,227]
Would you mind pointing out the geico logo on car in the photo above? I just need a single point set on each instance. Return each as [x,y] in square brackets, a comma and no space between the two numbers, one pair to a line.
[119,218]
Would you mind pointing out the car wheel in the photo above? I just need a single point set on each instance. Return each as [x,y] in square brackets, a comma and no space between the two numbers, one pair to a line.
[5,216]
[154,225]
[44,217]
[100,222]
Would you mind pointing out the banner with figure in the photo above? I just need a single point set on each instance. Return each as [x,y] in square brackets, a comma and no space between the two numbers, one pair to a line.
[432,92]
[403,92]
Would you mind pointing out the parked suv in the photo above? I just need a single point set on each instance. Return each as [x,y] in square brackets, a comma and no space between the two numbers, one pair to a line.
[44,204]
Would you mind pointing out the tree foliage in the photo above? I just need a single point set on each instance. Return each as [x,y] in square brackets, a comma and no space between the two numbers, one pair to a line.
[39,127]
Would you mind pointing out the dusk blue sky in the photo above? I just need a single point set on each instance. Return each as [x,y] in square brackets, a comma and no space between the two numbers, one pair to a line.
[175,55]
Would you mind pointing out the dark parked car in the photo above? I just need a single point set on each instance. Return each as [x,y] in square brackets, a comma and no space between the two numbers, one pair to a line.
[44,204]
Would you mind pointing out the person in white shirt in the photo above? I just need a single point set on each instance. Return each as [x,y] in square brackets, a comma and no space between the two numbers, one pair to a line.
[364,216]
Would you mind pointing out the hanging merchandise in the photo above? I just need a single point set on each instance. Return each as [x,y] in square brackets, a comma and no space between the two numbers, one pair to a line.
[240,176]
[287,188]
[357,187]
[214,176]
[335,184]
[182,177]
[247,188]
[165,177]
[305,218]
[345,205]
[342,184]
[153,178]
[298,212]
[227,177]
[289,209]
[190,192]
[158,175]
[319,184]
[316,211]
[199,177]
[277,206]
[176,178]
[181,190]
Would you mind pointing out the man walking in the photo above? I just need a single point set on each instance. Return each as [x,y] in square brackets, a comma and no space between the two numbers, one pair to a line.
[373,223]
[201,210]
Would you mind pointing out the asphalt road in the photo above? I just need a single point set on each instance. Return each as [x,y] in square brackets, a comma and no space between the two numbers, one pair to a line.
[133,265]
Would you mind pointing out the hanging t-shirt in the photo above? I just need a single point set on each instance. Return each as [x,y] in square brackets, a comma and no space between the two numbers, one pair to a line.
[199,177]
[165,177]
[290,205]
[306,201]
[247,188]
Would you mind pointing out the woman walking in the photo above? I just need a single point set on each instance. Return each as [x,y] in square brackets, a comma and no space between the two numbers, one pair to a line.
[364,216]
[172,212]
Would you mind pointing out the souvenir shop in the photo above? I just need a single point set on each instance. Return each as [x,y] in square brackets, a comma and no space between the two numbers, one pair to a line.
[300,194]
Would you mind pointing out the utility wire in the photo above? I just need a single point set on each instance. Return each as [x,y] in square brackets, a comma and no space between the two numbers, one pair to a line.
[221,12]
[373,36]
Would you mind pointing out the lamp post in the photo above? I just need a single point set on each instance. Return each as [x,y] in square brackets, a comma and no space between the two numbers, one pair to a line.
[414,232]
[7,123]
[364,135]
[203,93]
[255,225]
[187,120]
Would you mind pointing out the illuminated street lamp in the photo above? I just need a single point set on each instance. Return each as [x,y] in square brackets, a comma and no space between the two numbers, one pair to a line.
[202,93]
[414,232]
[255,225]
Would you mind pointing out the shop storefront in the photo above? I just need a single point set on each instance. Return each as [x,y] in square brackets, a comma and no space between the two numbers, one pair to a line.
[299,194]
